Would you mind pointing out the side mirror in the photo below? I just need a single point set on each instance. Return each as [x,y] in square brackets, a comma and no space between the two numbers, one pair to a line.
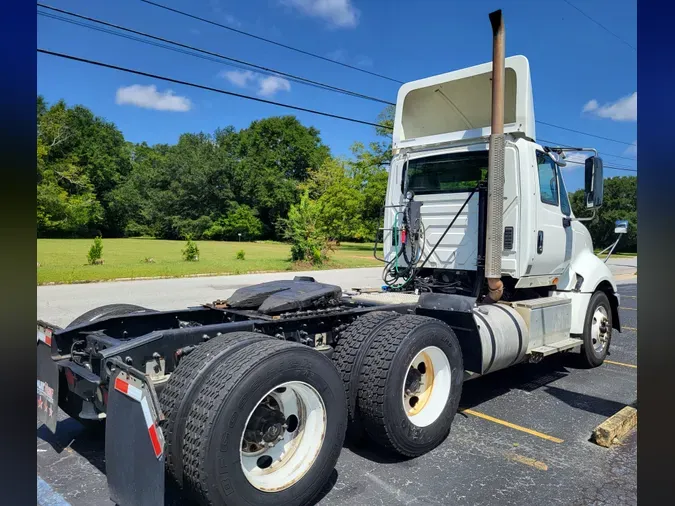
[621,226]
[594,179]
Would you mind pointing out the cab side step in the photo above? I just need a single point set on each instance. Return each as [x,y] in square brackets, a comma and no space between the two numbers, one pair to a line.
[557,347]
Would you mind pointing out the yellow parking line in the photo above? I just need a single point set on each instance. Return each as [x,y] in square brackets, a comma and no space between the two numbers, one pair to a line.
[628,296]
[620,363]
[629,328]
[511,425]
[631,308]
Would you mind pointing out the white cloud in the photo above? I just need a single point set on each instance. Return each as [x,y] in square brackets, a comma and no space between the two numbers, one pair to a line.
[267,86]
[271,84]
[343,57]
[364,61]
[239,78]
[592,105]
[632,150]
[338,55]
[229,18]
[575,160]
[624,109]
[339,13]
[149,98]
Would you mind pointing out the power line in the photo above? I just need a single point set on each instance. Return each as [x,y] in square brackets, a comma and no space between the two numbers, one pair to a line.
[248,97]
[216,57]
[600,25]
[606,166]
[183,13]
[210,55]
[613,167]
[302,51]
[555,143]
[208,88]
[584,133]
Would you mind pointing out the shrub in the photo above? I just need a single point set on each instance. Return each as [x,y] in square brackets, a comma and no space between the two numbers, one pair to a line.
[95,251]
[191,251]
[134,229]
[194,228]
[241,255]
[300,228]
[241,220]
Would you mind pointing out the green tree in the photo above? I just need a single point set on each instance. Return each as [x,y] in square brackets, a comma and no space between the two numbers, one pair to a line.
[66,200]
[339,200]
[302,229]
[275,155]
[619,203]
[137,201]
[241,220]
[177,190]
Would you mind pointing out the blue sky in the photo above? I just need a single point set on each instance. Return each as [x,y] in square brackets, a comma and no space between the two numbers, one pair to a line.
[583,77]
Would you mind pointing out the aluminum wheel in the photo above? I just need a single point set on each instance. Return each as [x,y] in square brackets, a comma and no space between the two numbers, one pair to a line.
[427,386]
[283,436]
[599,329]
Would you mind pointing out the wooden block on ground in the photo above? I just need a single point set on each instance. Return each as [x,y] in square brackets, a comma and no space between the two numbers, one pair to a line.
[616,426]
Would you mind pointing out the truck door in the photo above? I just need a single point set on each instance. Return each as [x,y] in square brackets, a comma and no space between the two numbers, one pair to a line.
[553,241]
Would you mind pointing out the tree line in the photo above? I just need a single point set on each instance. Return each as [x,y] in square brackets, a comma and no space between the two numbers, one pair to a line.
[209,186]
[275,179]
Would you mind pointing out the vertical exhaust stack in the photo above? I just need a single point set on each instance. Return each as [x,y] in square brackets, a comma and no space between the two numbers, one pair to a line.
[495,202]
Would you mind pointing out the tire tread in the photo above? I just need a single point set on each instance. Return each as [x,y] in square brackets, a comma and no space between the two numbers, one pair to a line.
[189,368]
[375,374]
[222,380]
[349,351]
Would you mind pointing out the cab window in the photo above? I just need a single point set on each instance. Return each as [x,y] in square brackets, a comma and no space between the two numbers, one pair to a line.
[564,199]
[548,179]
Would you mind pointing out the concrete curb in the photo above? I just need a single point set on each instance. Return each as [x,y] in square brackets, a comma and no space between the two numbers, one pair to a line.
[615,427]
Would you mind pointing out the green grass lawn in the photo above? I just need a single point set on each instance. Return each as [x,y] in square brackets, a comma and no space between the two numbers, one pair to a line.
[629,255]
[65,260]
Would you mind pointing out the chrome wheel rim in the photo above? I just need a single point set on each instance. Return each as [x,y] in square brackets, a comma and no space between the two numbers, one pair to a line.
[600,330]
[283,436]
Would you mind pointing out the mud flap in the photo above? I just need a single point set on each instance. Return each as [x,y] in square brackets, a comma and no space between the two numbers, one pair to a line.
[134,444]
[47,380]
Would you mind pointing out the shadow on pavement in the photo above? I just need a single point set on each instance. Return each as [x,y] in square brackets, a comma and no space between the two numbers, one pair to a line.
[589,403]
[370,451]
[71,434]
[526,377]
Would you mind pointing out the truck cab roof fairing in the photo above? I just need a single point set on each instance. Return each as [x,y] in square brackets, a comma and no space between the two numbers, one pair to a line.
[457,105]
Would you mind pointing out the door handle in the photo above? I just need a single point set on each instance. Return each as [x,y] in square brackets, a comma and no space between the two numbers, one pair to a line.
[540,242]
[566,221]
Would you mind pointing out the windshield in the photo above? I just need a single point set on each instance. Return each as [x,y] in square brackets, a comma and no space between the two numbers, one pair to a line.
[448,173]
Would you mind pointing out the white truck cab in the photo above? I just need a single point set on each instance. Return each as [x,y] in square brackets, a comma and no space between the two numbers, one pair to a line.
[441,146]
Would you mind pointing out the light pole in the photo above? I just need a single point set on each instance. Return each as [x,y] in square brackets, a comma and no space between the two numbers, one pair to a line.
[239,234]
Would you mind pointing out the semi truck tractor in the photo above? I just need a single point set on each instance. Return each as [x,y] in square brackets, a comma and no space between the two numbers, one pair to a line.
[248,401]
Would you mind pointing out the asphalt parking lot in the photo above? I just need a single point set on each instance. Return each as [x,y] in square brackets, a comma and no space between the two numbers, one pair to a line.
[522,436]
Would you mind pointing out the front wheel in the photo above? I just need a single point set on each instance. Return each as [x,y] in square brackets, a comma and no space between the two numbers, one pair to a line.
[597,331]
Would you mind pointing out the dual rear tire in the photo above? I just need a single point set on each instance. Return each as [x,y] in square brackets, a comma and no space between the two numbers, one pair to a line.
[410,375]
[253,420]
